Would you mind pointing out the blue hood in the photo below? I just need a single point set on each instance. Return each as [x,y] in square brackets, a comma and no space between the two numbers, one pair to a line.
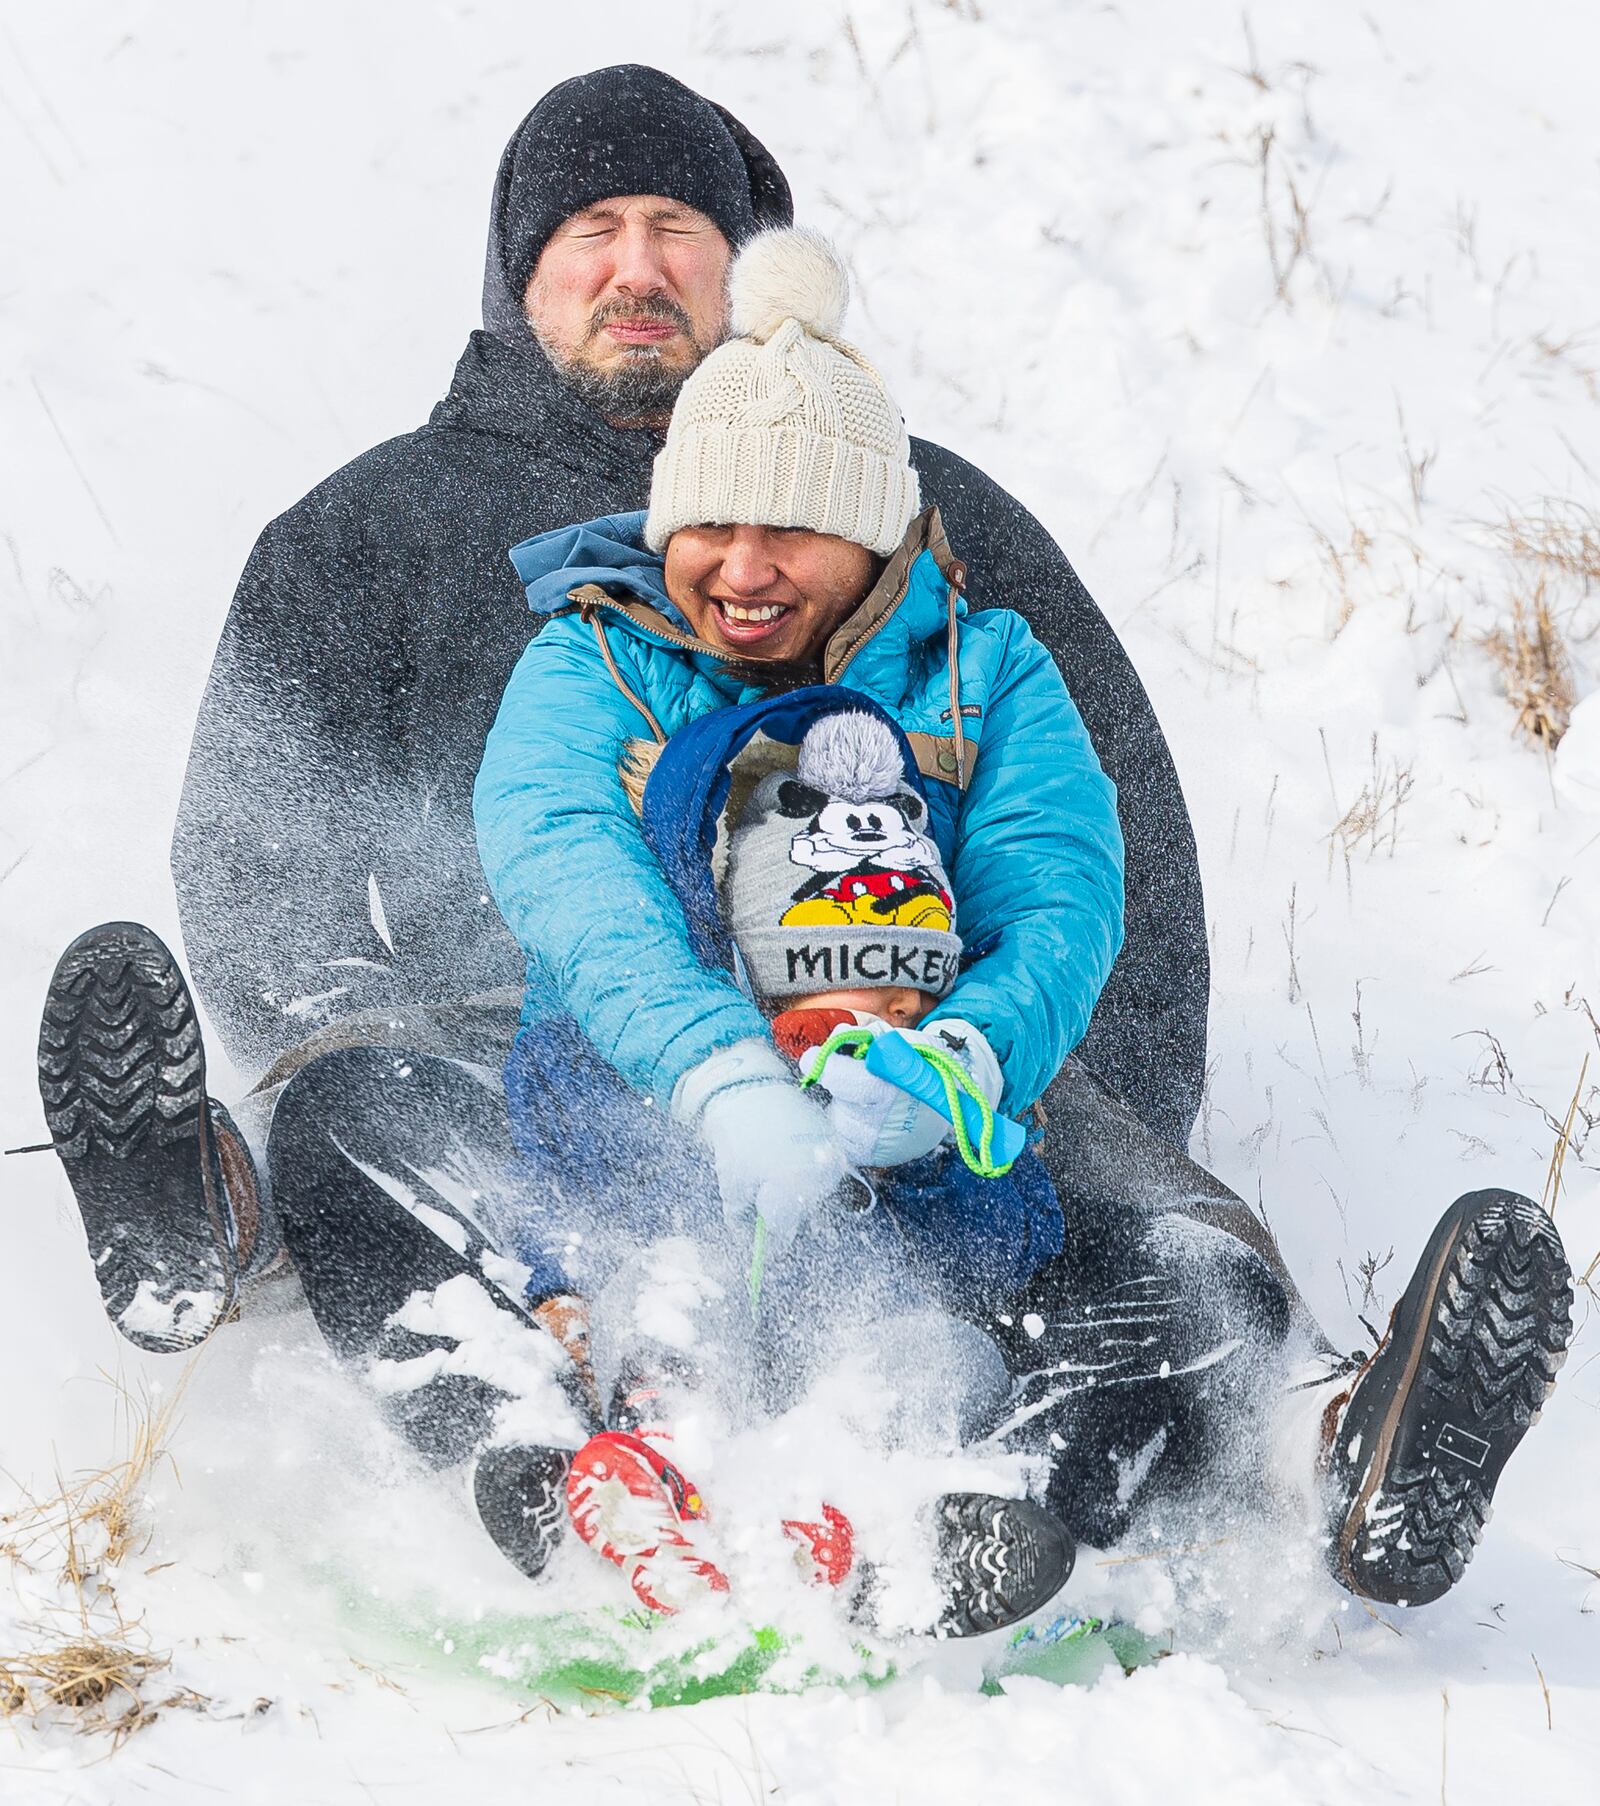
[609,551]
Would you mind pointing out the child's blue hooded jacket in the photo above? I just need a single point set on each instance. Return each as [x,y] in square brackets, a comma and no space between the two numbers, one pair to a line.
[1031,843]
[595,1159]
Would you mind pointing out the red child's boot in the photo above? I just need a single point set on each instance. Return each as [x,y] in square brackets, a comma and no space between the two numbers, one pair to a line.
[632,1506]
[825,1551]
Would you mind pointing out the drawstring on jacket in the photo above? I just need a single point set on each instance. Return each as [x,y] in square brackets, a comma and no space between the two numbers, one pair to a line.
[592,615]
[958,572]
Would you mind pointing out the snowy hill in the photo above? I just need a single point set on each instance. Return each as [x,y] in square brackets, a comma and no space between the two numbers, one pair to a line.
[1287,328]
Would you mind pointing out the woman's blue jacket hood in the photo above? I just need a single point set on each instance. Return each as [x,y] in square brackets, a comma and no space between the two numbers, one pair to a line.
[609,551]
[1031,841]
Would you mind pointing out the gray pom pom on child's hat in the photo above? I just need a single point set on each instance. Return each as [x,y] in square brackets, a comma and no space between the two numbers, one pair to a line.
[786,425]
[833,881]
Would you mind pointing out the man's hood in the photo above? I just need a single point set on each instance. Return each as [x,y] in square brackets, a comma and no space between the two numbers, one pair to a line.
[516,393]
[571,108]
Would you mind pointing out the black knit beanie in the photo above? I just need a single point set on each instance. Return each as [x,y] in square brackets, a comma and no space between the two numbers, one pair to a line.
[624,130]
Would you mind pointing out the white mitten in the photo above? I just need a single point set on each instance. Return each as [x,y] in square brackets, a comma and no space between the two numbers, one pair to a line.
[774,1150]
[878,1124]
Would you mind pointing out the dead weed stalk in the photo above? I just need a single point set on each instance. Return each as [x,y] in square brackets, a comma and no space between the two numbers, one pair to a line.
[83,1680]
[94,1520]
[1535,667]
[1558,1155]
[1373,819]
[1564,537]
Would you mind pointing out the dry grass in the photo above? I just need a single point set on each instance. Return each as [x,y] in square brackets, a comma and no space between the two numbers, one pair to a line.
[1573,1132]
[1558,1157]
[1564,538]
[1535,667]
[1344,563]
[94,1684]
[89,1672]
[1288,241]
[1555,548]
[1373,820]
[94,1520]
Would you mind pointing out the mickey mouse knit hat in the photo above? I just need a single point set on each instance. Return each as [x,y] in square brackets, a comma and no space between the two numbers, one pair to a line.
[786,425]
[833,882]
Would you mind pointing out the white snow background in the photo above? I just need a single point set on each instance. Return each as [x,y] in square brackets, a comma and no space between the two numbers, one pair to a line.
[1276,323]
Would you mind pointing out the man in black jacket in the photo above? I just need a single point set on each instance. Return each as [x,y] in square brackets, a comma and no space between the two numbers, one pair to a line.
[327,876]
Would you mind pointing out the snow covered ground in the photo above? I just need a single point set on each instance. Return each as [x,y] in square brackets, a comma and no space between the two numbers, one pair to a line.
[1287,327]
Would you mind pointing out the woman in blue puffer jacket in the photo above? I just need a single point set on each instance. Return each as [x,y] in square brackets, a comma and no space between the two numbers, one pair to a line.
[783,545]
[783,550]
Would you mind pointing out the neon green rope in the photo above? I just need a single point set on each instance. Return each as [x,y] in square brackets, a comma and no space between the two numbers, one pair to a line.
[980,1160]
[853,1041]
[956,1080]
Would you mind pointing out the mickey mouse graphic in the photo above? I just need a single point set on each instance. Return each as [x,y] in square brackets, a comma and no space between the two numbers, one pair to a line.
[871,863]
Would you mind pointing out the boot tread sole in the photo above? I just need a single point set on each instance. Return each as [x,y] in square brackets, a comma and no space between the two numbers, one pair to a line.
[1494,1338]
[122,1078]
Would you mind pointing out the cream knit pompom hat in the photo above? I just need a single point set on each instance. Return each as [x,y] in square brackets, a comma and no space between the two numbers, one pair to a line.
[786,425]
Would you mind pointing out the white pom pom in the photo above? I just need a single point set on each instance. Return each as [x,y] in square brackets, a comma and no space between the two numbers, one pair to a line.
[788,274]
[853,757]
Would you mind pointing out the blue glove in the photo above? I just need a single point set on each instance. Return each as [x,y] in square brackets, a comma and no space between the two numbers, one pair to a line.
[773,1149]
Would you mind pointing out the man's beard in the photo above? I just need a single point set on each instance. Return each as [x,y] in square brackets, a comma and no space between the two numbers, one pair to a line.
[641,385]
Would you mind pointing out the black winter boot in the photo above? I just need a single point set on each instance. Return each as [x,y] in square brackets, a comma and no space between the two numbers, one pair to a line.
[999,1561]
[521,1496]
[1415,1447]
[172,1210]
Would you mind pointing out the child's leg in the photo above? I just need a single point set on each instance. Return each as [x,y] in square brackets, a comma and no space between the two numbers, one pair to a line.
[679,1316]
[673,1364]
[600,1173]
[973,1243]
[674,1316]
[928,1381]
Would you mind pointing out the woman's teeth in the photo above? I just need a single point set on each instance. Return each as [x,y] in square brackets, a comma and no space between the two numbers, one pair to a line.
[768,611]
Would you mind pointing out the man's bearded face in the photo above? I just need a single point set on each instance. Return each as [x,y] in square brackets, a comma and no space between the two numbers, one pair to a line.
[626,298]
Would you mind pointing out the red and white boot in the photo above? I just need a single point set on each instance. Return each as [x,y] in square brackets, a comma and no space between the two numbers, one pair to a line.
[825,1551]
[637,1510]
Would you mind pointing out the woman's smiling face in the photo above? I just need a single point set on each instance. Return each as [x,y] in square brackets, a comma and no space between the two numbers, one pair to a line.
[766,592]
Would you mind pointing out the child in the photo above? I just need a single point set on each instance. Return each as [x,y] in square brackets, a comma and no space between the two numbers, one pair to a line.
[830,874]
[825,872]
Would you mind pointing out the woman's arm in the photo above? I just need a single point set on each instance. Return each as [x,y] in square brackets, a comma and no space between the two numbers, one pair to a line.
[1037,872]
[571,873]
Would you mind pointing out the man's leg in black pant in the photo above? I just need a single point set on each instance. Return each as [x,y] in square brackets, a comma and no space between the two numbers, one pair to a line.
[383,1162]
[1096,1148]
[1149,1357]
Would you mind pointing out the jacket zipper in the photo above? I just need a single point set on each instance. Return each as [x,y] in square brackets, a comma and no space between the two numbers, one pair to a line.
[665,634]
[867,639]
